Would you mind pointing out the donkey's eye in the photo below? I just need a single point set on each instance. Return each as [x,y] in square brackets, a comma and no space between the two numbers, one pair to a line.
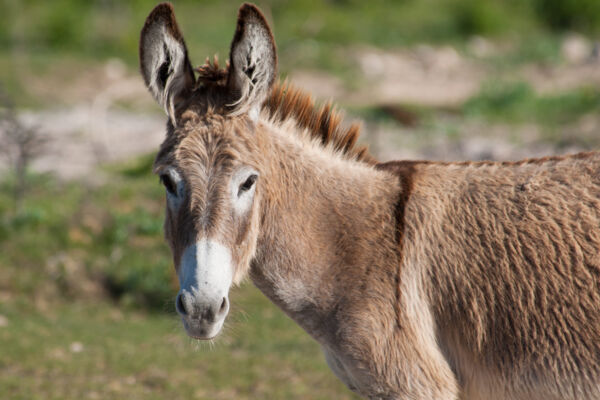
[247,185]
[166,180]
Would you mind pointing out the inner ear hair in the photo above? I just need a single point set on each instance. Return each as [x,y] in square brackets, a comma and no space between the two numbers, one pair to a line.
[164,61]
[253,61]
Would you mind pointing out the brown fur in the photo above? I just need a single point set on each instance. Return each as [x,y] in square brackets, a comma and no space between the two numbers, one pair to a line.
[323,123]
[420,279]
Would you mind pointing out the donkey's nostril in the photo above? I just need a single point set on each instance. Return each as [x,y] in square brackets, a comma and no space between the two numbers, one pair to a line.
[223,307]
[179,305]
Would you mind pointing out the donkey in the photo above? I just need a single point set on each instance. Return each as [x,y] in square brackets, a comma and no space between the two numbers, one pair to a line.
[419,279]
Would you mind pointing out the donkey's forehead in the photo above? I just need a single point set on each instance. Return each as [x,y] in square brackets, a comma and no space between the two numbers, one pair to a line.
[208,149]
[207,141]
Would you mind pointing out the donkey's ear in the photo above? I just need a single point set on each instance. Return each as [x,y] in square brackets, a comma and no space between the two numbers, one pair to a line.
[252,61]
[164,62]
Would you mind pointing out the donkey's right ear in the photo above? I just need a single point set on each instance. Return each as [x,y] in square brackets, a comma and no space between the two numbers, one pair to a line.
[252,61]
[164,62]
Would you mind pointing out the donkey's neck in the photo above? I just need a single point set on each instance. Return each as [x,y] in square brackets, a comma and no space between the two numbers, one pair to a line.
[327,232]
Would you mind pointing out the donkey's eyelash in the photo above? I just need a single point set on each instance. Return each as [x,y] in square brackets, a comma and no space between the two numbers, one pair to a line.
[167,183]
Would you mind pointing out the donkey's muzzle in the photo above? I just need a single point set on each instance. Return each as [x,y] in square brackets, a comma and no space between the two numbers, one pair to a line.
[202,317]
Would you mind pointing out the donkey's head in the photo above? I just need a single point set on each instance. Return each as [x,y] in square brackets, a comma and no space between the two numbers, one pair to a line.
[209,162]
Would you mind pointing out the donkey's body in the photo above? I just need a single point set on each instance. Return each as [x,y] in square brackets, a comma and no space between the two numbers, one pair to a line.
[421,280]
[425,280]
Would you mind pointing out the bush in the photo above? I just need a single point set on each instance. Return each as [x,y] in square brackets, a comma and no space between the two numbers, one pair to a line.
[577,15]
[476,17]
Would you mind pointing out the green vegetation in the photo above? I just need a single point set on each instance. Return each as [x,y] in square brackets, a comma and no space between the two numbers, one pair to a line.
[517,102]
[109,28]
[95,350]
[578,15]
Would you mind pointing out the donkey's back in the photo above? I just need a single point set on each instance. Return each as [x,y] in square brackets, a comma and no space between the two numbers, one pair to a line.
[511,253]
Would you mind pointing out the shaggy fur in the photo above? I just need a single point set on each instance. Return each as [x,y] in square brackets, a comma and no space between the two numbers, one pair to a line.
[286,102]
[421,280]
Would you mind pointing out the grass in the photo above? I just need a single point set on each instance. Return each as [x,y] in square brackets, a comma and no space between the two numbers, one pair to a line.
[96,350]
[517,102]
[86,289]
[111,28]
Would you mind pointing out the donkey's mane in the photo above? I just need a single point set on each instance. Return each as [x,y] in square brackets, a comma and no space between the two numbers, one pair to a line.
[286,102]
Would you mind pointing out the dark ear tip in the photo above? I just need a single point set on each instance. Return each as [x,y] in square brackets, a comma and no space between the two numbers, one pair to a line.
[249,10]
[163,14]
[161,10]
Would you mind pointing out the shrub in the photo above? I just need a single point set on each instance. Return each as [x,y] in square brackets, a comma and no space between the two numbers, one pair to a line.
[577,15]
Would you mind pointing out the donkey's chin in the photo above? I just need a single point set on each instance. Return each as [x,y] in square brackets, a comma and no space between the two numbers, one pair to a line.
[202,330]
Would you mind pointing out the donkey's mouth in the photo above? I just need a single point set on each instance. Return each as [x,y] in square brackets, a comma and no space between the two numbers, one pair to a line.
[202,331]
[201,337]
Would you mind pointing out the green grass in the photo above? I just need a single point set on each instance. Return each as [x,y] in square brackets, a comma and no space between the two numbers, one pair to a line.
[129,354]
[517,102]
[111,28]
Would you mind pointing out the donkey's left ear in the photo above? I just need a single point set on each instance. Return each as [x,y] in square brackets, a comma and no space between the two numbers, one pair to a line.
[164,62]
[252,61]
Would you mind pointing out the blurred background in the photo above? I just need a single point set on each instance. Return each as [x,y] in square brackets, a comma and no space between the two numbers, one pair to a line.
[86,281]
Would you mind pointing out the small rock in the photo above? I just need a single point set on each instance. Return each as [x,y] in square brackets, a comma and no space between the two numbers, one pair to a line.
[372,65]
[115,69]
[480,47]
[76,347]
[576,49]
[3,321]
[440,59]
